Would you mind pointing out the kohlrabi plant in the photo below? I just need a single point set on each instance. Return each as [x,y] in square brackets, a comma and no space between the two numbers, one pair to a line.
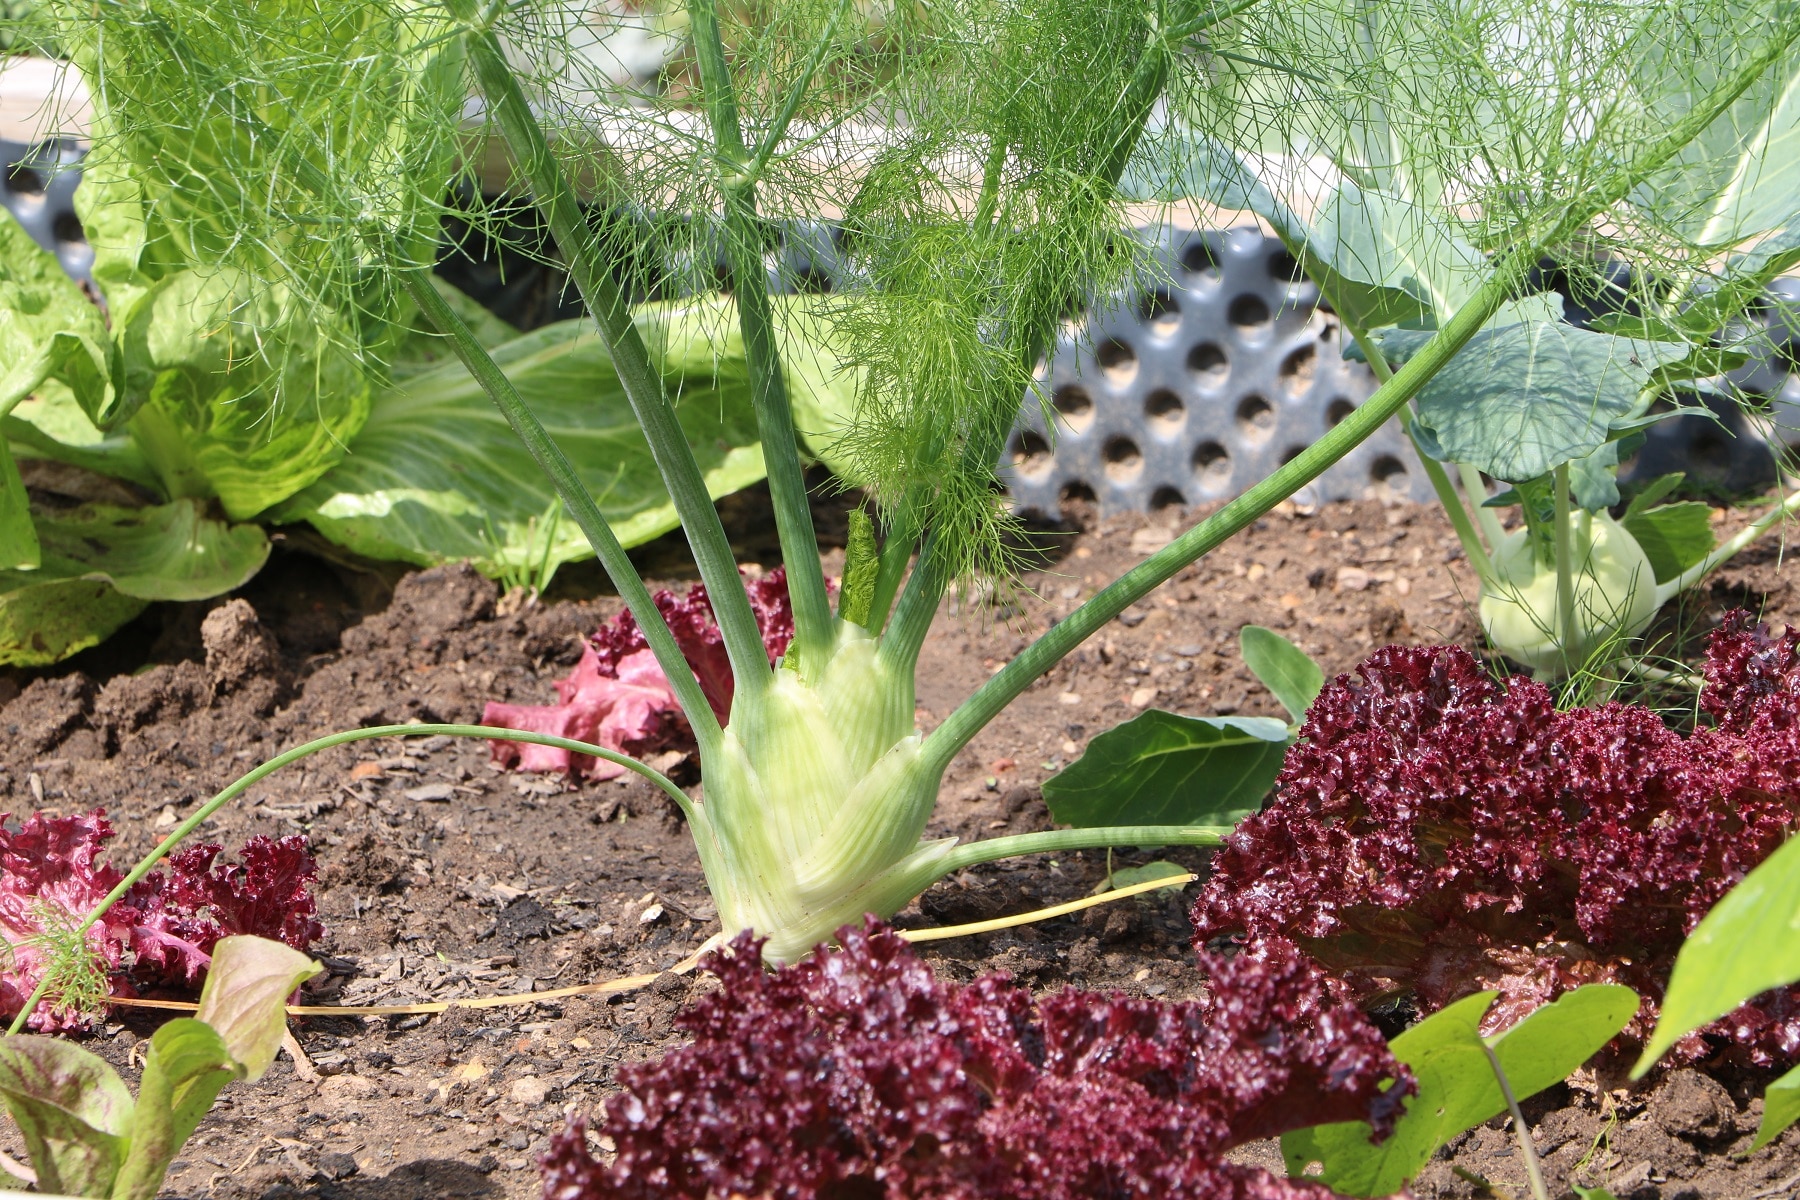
[972,152]
[1402,175]
[85,1133]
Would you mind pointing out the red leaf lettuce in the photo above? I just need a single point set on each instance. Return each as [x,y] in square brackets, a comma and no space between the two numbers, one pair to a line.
[161,933]
[1436,833]
[858,1073]
[617,696]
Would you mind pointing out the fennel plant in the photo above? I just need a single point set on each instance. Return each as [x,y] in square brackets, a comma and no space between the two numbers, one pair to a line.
[974,152]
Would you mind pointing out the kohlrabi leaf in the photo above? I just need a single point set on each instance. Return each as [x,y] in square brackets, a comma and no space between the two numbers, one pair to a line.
[1674,536]
[18,536]
[101,564]
[1284,668]
[247,393]
[49,329]
[437,475]
[245,997]
[72,1110]
[1160,768]
[1744,946]
[1380,259]
[1382,247]
[1740,178]
[186,1066]
[1781,1108]
[1457,1086]
[1521,399]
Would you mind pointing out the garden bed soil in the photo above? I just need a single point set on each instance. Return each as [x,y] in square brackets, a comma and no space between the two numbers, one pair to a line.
[444,878]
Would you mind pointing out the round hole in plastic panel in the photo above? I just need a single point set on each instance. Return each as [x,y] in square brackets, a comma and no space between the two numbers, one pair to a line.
[1160,314]
[1031,454]
[1201,260]
[1298,369]
[1164,413]
[1339,408]
[1167,497]
[1118,362]
[1209,366]
[1074,408]
[1255,419]
[1124,461]
[1212,467]
[1388,477]
[1249,312]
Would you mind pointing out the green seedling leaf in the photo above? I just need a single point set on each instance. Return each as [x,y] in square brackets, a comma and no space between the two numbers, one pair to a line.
[1781,1108]
[183,1072]
[1285,669]
[437,475]
[18,536]
[1457,1088]
[1523,398]
[245,997]
[1674,536]
[1160,768]
[1742,948]
[1590,1193]
[72,1109]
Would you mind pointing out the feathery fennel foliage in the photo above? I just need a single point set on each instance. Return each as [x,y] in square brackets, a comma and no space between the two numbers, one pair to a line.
[974,151]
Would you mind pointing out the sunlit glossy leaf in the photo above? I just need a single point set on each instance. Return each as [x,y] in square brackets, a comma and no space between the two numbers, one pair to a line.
[1160,768]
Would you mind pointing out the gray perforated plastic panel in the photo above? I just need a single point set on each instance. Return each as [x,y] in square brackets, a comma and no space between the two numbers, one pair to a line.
[1190,390]
[1199,385]
[37,187]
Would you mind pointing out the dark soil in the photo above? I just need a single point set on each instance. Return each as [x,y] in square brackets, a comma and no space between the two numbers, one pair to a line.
[444,878]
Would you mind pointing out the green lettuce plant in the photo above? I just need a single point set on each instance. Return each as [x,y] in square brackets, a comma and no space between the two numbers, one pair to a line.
[974,151]
[1397,183]
[85,1133]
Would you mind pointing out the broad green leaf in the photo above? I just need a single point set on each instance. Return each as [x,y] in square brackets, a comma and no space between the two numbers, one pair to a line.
[50,424]
[1674,536]
[72,1110]
[1383,244]
[245,997]
[102,564]
[49,329]
[1740,178]
[186,1066]
[437,474]
[18,536]
[420,348]
[1444,1054]
[1590,1193]
[1284,668]
[1160,768]
[163,552]
[1521,399]
[246,392]
[44,620]
[1746,945]
[1781,1108]
[1457,1086]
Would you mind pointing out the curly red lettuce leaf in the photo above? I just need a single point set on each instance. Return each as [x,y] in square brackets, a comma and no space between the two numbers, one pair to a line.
[1436,833]
[161,933]
[619,698]
[859,1072]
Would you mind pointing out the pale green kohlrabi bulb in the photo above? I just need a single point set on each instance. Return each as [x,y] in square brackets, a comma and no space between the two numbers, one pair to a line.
[1615,596]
